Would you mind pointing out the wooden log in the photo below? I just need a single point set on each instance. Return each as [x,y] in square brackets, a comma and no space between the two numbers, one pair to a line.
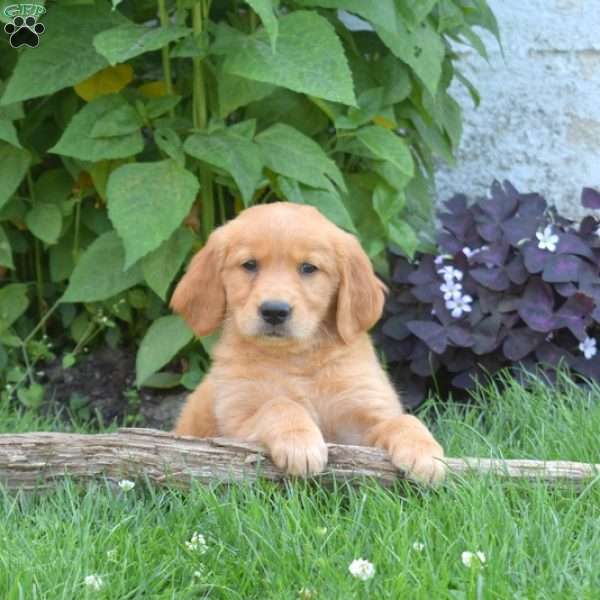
[37,460]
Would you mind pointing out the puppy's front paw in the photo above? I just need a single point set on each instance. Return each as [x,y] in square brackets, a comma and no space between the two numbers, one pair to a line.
[422,461]
[301,452]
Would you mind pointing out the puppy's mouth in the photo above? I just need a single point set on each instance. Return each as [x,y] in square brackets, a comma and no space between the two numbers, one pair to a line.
[274,331]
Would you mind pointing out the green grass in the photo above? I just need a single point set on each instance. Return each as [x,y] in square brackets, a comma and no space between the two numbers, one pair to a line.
[267,541]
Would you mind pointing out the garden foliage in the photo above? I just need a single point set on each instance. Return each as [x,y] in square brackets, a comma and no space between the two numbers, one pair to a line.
[135,128]
[515,284]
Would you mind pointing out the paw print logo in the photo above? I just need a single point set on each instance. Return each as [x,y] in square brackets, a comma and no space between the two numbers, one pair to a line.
[24,32]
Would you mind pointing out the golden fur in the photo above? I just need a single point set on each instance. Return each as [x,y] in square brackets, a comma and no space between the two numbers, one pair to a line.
[319,380]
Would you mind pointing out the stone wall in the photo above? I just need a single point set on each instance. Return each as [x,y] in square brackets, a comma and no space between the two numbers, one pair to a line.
[538,123]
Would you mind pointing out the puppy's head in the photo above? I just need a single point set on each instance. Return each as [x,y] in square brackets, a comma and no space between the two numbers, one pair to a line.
[280,274]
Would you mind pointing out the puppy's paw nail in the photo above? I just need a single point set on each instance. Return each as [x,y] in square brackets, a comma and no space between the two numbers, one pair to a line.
[420,466]
[300,453]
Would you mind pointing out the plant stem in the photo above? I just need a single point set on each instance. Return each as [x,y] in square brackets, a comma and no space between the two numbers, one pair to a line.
[77,225]
[199,116]
[199,13]
[166,63]
[38,260]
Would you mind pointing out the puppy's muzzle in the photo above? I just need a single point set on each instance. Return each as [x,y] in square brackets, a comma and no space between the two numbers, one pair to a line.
[275,312]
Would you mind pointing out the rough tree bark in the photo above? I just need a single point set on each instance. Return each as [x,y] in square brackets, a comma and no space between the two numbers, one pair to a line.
[38,460]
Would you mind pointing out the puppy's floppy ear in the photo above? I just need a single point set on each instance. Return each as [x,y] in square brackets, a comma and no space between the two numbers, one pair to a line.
[361,294]
[200,295]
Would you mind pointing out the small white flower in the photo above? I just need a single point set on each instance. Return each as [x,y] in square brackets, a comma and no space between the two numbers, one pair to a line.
[439,260]
[450,273]
[361,568]
[418,546]
[458,306]
[197,544]
[451,290]
[95,582]
[469,558]
[111,554]
[126,485]
[547,240]
[588,347]
[468,252]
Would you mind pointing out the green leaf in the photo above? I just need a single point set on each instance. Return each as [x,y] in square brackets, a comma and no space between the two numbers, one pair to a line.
[147,202]
[77,140]
[291,153]
[170,143]
[265,10]
[14,163]
[330,204]
[414,12]
[310,58]
[126,41]
[32,397]
[422,50]
[163,340]
[237,91]
[236,154]
[156,107]
[387,202]
[402,234]
[13,303]
[65,55]
[379,12]
[434,139]
[289,108]
[119,121]
[6,259]
[100,272]
[53,185]
[161,265]
[8,133]
[387,145]
[45,221]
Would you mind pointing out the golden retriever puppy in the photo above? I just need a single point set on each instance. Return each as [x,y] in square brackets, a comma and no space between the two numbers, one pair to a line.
[294,367]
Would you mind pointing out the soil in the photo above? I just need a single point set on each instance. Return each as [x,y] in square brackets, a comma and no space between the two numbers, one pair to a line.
[101,387]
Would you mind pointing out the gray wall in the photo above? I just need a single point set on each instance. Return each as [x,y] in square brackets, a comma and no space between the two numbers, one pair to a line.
[538,123]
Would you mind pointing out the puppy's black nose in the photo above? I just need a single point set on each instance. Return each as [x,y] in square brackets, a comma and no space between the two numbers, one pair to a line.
[275,312]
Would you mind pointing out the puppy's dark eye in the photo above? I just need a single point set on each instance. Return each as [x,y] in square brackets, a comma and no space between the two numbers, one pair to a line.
[307,268]
[250,265]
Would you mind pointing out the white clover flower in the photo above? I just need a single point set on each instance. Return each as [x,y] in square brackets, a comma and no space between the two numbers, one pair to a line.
[469,558]
[418,546]
[197,544]
[588,347]
[362,569]
[547,240]
[95,582]
[458,306]
[450,273]
[451,290]
[126,485]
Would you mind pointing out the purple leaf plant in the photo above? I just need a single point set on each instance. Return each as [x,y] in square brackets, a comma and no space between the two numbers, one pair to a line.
[514,284]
